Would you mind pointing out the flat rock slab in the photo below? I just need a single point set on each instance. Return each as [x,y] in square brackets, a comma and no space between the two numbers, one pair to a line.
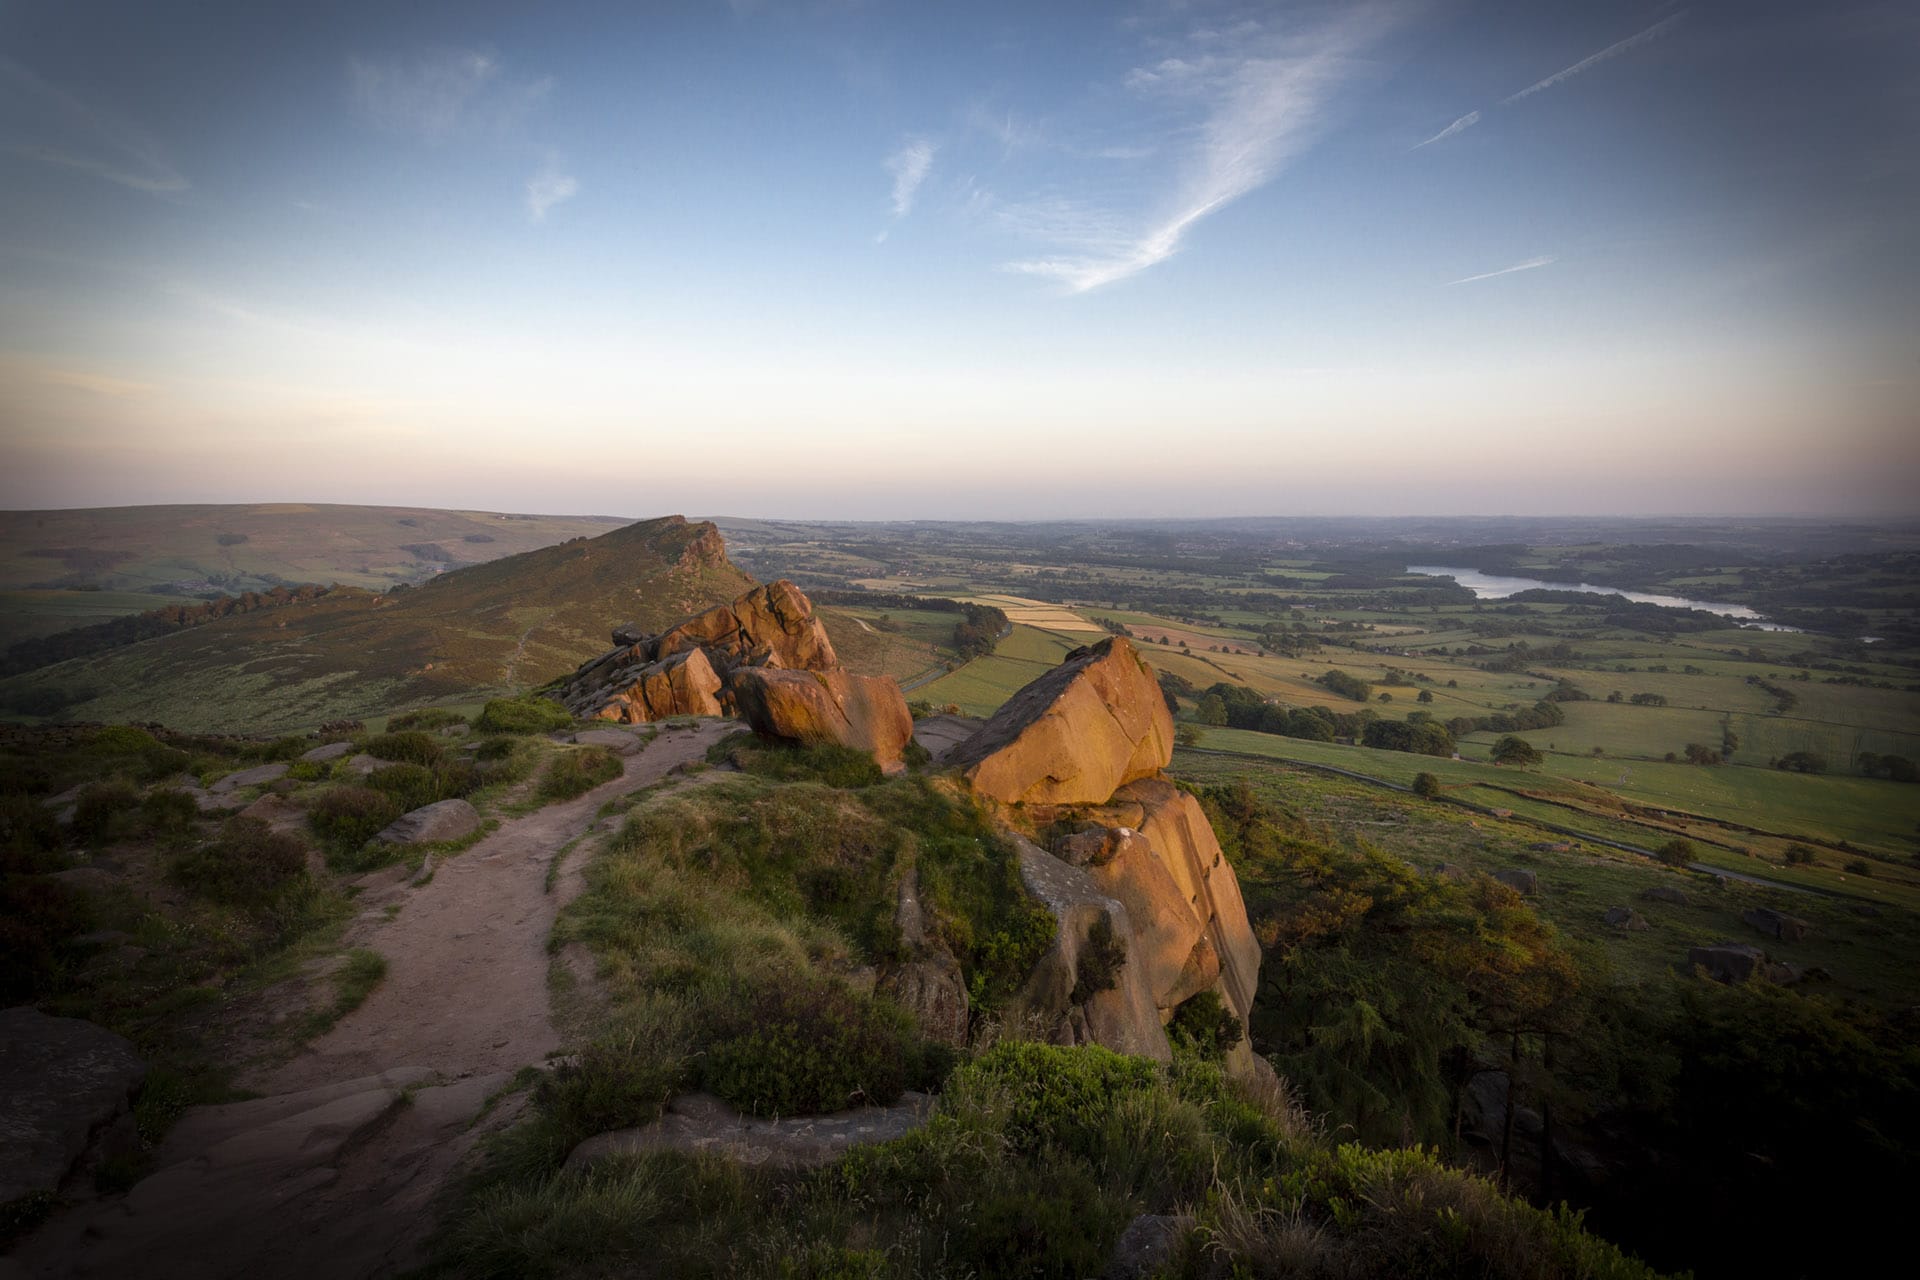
[258,776]
[701,1122]
[331,751]
[60,1079]
[942,733]
[442,820]
[612,739]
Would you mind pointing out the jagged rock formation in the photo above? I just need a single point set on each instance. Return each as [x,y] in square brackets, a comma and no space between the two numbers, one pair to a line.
[683,670]
[1149,913]
[766,657]
[866,713]
[1075,735]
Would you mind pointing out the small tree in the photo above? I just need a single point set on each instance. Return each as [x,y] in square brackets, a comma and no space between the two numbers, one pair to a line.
[1676,853]
[1212,710]
[1425,784]
[1515,750]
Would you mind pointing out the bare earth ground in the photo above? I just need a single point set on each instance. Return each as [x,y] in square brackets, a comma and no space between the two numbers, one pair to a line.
[334,1172]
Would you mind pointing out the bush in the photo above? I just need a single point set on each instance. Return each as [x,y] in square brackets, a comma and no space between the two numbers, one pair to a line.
[1800,855]
[522,715]
[830,763]
[346,817]
[1204,1024]
[30,838]
[576,772]
[105,811]
[408,747]
[801,1048]
[249,865]
[1425,784]
[612,1083]
[1515,750]
[1677,853]
[38,921]
[1098,965]
[493,749]
[1859,867]
[169,814]
[413,785]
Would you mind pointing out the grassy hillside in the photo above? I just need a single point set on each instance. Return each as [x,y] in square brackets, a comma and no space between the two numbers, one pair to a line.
[511,623]
[62,569]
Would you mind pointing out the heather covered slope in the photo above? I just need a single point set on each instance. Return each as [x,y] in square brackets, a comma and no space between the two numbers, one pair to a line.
[510,623]
[61,569]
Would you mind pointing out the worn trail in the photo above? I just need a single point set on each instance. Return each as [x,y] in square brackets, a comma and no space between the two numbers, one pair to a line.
[334,1171]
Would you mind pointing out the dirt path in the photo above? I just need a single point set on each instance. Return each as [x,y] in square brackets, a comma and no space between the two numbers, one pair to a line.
[333,1173]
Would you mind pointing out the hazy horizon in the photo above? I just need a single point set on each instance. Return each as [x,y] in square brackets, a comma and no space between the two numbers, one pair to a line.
[873,261]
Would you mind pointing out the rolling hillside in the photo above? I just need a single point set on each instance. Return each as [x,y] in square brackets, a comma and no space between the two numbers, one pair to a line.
[61,569]
[510,623]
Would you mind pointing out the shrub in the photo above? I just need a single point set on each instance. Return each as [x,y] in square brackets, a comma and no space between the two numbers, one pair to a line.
[576,772]
[522,715]
[346,817]
[835,765]
[408,747]
[611,1083]
[1097,968]
[105,811]
[496,749]
[413,785]
[30,838]
[801,1047]
[1425,784]
[169,814]
[1800,855]
[249,865]
[1859,867]
[1677,853]
[1515,750]
[1204,1024]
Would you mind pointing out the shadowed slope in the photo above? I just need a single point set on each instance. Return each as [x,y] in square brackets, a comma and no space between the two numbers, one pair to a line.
[514,622]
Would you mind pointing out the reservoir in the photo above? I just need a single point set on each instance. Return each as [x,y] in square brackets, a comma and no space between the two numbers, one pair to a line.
[1488,586]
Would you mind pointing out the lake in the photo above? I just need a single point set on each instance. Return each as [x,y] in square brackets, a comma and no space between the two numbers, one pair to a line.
[1489,586]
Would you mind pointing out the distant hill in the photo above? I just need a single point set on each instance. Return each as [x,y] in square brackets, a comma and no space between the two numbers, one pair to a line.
[510,623]
[61,569]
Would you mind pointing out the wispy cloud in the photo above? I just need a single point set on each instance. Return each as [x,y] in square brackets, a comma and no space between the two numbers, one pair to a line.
[1461,125]
[909,166]
[1611,51]
[548,188]
[439,93]
[90,140]
[1256,96]
[1528,265]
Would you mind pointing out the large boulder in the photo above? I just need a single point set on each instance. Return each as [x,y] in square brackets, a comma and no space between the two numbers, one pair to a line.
[61,1080]
[771,626]
[1729,962]
[1777,924]
[926,981]
[429,824]
[1091,725]
[1183,844]
[682,685]
[866,713]
[1064,999]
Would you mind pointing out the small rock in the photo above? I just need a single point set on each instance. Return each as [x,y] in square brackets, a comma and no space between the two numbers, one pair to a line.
[1666,893]
[1520,881]
[1777,924]
[1626,918]
[618,740]
[259,775]
[1730,962]
[429,824]
[331,751]
[1146,1245]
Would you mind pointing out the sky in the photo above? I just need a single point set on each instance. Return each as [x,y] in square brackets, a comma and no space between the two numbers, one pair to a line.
[899,260]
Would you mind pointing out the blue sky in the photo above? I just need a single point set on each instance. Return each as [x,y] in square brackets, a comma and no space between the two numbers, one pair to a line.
[902,260]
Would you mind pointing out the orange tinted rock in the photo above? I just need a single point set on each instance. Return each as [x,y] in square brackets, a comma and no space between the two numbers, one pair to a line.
[770,626]
[866,713]
[1092,724]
